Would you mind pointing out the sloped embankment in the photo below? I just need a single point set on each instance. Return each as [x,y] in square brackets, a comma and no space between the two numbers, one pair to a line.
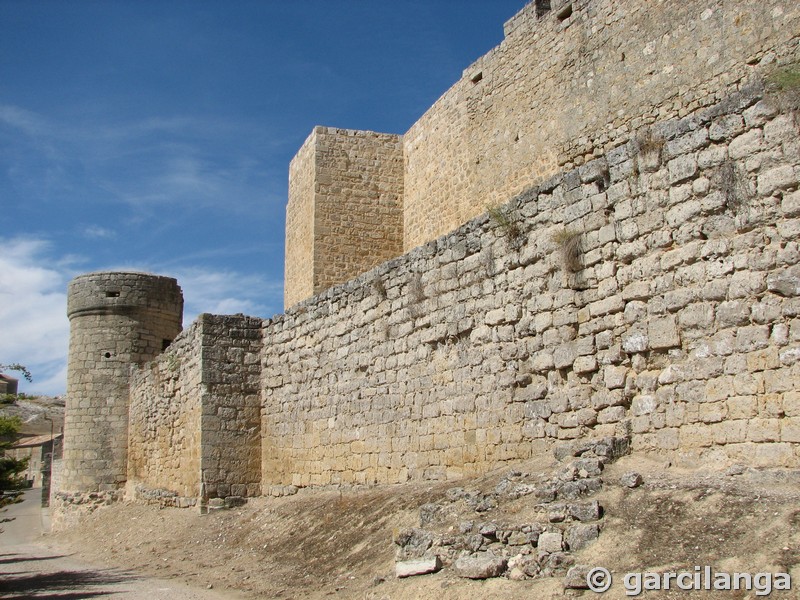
[343,543]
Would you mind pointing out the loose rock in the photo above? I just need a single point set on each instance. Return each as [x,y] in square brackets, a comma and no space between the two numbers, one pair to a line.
[576,578]
[420,566]
[631,480]
[550,542]
[480,567]
[580,535]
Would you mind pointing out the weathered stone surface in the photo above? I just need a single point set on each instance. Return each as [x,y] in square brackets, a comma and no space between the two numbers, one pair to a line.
[631,480]
[576,577]
[429,513]
[556,564]
[663,333]
[777,178]
[420,566]
[571,490]
[556,513]
[579,535]
[785,283]
[525,565]
[585,511]
[588,467]
[413,543]
[480,567]
[319,249]
[477,347]
[636,342]
[550,541]
[118,320]
[682,168]
[519,538]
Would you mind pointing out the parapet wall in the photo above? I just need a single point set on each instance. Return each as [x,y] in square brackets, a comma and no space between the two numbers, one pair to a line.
[675,319]
[565,84]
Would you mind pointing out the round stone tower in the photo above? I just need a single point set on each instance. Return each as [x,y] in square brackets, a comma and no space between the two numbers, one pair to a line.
[116,320]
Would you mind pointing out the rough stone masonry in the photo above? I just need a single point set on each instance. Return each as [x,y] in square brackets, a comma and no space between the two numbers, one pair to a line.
[643,284]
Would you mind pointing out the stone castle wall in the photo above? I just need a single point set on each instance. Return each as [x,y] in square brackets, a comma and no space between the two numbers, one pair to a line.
[641,279]
[195,416]
[680,324]
[231,440]
[164,434]
[561,90]
[563,86]
[349,184]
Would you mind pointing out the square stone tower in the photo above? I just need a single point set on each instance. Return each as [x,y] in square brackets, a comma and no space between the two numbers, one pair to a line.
[345,210]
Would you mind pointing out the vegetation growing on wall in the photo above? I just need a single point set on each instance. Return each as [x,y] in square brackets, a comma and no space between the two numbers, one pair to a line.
[507,221]
[783,85]
[733,184]
[569,247]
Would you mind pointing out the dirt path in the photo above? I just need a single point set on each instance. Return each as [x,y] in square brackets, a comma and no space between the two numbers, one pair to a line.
[30,568]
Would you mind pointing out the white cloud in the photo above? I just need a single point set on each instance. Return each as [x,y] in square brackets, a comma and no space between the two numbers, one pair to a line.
[29,122]
[227,293]
[34,330]
[95,232]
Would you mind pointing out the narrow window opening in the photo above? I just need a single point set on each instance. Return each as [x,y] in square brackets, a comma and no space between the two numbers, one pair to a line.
[477,77]
[165,344]
[565,13]
[112,294]
[542,8]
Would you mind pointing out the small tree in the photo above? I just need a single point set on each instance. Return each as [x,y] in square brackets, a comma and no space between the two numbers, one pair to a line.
[12,398]
[18,367]
[10,468]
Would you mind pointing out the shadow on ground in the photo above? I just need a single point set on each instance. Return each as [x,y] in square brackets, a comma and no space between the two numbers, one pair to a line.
[7,559]
[60,585]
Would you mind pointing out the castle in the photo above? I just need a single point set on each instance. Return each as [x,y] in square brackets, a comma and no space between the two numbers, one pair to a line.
[635,274]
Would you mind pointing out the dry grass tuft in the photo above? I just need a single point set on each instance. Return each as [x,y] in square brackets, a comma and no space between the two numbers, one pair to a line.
[569,245]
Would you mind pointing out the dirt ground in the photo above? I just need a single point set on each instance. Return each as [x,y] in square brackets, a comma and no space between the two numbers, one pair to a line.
[330,543]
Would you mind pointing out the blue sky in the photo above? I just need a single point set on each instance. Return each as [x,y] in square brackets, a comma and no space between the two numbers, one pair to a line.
[156,136]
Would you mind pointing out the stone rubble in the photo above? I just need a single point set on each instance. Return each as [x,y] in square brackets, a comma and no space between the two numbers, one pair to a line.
[479,549]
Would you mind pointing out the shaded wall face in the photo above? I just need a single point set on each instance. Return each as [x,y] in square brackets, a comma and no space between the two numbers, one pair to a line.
[674,318]
[231,440]
[298,281]
[558,92]
[96,413]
